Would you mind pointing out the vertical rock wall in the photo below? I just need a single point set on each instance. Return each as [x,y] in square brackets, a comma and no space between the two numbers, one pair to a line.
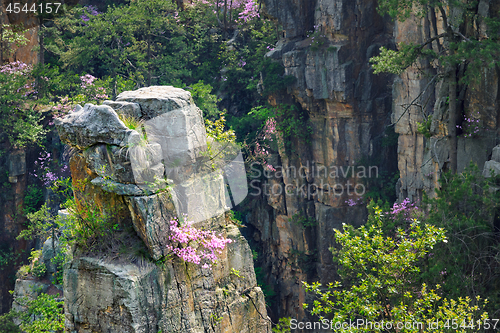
[325,46]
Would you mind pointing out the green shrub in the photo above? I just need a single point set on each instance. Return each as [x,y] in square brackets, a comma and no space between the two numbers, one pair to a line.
[7,325]
[380,279]
[39,269]
[33,199]
[39,225]
[43,314]
[466,205]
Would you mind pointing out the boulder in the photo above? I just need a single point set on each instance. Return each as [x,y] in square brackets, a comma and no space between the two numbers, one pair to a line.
[93,124]
[157,100]
[491,168]
[125,108]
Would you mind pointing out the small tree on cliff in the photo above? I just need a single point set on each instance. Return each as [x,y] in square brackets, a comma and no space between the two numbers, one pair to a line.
[466,41]
[380,289]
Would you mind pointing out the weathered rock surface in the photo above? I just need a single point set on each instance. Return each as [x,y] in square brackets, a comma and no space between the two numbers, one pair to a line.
[112,295]
[156,100]
[92,125]
[326,46]
[175,297]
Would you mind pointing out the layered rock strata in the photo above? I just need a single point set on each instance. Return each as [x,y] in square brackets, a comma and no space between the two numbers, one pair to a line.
[326,45]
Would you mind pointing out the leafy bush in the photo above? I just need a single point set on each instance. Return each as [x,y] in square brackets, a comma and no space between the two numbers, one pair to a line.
[380,280]
[20,121]
[7,324]
[204,99]
[467,206]
[43,314]
[39,269]
[33,199]
[39,224]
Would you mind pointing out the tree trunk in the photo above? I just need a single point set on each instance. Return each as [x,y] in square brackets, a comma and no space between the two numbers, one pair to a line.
[225,18]
[1,32]
[41,55]
[149,52]
[452,120]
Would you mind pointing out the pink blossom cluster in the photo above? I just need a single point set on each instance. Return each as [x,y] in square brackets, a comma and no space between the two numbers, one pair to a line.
[250,11]
[195,245]
[261,153]
[262,149]
[406,208]
[95,93]
[87,80]
[352,202]
[270,129]
[62,108]
[43,171]
[471,125]
[17,67]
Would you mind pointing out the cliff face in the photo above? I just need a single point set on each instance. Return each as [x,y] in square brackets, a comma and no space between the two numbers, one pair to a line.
[422,160]
[120,291]
[326,46]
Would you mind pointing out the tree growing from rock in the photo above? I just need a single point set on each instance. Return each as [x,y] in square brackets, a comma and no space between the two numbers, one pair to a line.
[463,40]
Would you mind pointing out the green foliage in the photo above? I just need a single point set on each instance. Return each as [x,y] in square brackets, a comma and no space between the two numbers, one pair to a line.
[274,78]
[7,324]
[132,122]
[43,314]
[267,290]
[292,122]
[12,35]
[59,260]
[87,226]
[380,279]
[425,127]
[283,326]
[467,206]
[39,269]
[63,189]
[33,199]
[236,273]
[216,320]
[395,62]
[39,224]
[20,120]
[23,272]
[465,44]
[318,40]
[204,99]
[217,130]
[8,257]
[235,217]
[221,143]
[303,220]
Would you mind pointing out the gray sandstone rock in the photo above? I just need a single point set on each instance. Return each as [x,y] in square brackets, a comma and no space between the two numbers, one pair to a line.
[495,155]
[491,168]
[157,100]
[92,125]
[125,108]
